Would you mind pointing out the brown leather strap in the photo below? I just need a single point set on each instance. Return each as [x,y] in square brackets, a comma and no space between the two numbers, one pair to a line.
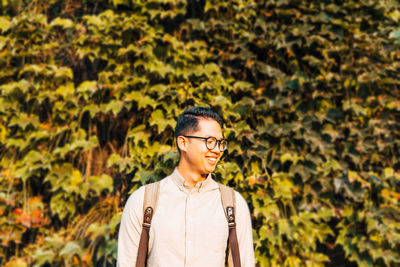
[144,238]
[232,239]
[150,201]
[149,207]
[229,204]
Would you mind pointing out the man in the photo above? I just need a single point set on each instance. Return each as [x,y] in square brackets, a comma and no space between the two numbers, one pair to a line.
[189,227]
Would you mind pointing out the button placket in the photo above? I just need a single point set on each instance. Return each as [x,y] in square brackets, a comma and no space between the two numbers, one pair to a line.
[189,242]
[187,229]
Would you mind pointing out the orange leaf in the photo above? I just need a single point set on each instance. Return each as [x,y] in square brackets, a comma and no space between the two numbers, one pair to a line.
[36,216]
[18,211]
[25,220]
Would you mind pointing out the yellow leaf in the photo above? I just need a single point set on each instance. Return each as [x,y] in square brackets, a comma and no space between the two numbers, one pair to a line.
[66,90]
[395,15]
[3,133]
[290,157]
[255,169]
[385,193]
[5,24]
[16,263]
[286,157]
[388,172]
[64,23]
[76,177]
[88,86]
[160,119]
[353,176]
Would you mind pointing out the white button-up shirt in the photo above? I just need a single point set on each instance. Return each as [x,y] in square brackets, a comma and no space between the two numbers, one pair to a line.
[189,227]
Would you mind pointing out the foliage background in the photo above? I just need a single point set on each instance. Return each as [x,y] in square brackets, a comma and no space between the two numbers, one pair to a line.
[89,94]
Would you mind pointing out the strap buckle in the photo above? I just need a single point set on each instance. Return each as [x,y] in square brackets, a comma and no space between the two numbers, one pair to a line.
[230,211]
[148,215]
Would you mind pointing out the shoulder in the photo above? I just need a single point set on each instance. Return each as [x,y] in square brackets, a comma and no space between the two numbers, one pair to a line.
[241,203]
[135,200]
[239,197]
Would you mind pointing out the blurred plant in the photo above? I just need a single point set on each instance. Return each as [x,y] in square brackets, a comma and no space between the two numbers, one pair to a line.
[89,95]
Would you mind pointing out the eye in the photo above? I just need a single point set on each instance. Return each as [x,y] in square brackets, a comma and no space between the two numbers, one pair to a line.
[211,140]
[223,145]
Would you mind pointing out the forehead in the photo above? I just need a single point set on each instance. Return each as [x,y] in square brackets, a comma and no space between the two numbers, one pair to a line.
[209,127]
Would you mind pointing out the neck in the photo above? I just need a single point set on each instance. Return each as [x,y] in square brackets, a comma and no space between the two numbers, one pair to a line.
[191,176]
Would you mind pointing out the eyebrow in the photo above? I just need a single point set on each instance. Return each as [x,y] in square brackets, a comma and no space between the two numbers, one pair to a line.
[215,137]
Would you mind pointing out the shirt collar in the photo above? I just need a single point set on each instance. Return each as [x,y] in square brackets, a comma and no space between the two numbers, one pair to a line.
[198,187]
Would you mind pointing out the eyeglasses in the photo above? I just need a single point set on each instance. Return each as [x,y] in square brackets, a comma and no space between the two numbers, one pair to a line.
[212,142]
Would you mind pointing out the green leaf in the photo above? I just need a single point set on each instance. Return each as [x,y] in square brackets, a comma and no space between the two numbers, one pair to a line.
[212,68]
[284,227]
[137,131]
[70,249]
[97,229]
[43,256]
[292,261]
[62,205]
[87,87]
[100,183]
[93,109]
[66,91]
[142,100]
[23,120]
[267,69]
[395,34]
[64,23]
[158,118]
[222,101]
[9,88]
[115,106]
[245,86]
[115,221]
[55,241]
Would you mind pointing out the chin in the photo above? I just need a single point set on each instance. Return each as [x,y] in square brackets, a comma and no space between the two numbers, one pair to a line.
[209,170]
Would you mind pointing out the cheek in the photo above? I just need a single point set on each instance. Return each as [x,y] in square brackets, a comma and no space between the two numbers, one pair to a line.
[197,152]
[201,151]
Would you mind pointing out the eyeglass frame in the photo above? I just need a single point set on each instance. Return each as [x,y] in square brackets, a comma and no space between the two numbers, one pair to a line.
[217,142]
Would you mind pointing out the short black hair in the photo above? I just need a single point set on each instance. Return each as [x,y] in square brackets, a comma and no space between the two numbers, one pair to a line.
[188,121]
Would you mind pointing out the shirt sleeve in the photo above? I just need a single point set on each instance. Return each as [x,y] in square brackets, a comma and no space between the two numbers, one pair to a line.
[130,229]
[244,233]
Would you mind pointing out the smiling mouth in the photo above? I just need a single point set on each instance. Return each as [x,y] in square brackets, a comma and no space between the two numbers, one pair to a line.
[212,160]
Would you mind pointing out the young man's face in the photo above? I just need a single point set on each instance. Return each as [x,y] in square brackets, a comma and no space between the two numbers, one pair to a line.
[199,157]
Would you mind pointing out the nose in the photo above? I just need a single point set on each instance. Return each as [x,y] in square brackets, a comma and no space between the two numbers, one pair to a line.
[216,149]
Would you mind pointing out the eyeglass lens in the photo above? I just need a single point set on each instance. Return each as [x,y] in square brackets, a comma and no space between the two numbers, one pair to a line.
[212,142]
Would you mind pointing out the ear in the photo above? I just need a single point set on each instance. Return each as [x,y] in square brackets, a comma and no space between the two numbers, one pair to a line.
[182,143]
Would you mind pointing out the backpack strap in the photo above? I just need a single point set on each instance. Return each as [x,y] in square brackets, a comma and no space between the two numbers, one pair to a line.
[229,205]
[150,200]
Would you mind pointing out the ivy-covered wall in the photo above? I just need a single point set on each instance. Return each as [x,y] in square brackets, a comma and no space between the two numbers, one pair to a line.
[90,91]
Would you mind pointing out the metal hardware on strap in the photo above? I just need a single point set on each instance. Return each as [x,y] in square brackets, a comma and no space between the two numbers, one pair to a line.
[229,204]
[148,215]
[149,206]
[230,211]
[232,239]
